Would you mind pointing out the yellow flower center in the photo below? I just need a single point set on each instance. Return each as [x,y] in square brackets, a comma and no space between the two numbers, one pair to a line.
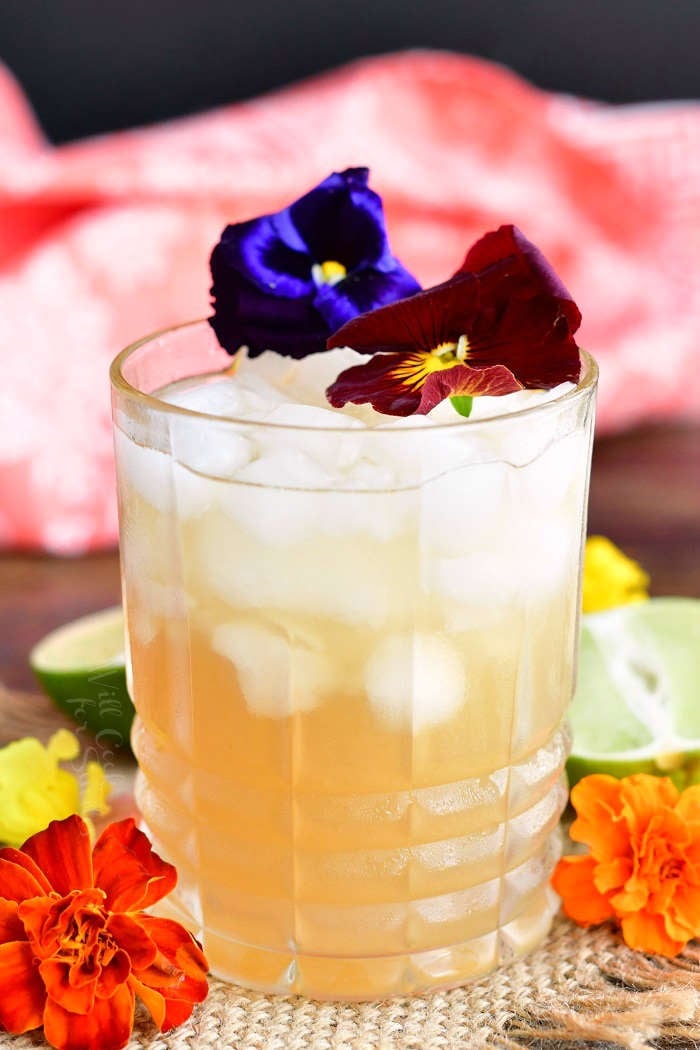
[445,355]
[328,272]
[415,368]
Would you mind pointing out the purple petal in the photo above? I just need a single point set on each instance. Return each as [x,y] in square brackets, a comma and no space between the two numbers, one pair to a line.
[343,220]
[269,253]
[363,291]
[264,293]
[246,316]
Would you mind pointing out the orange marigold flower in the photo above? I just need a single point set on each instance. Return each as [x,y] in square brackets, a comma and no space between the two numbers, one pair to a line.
[76,948]
[643,868]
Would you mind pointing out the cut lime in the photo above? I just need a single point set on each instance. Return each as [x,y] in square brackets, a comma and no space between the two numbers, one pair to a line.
[637,702]
[81,667]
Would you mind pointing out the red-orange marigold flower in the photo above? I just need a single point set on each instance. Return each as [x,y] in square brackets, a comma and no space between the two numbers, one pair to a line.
[643,869]
[76,948]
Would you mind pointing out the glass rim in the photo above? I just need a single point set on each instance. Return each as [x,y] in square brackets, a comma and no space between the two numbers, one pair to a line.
[586,383]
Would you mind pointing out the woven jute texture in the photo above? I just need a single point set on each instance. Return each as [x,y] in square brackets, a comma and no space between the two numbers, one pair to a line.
[581,988]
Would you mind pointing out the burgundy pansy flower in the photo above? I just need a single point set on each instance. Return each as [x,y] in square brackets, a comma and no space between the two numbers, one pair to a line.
[504,322]
[284,282]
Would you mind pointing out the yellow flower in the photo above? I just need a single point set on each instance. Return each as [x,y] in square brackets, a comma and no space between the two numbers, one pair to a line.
[610,578]
[34,789]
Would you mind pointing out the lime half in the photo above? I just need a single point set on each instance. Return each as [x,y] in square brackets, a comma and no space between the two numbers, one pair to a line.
[637,702]
[81,667]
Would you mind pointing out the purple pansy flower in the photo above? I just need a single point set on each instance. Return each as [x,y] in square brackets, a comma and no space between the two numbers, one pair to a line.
[286,281]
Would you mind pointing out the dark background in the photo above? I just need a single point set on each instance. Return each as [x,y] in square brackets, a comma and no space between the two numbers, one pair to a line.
[94,65]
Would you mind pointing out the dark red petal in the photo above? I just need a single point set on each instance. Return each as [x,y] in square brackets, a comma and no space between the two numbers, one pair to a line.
[56,977]
[16,883]
[22,992]
[127,869]
[106,1027]
[516,315]
[11,928]
[62,852]
[131,936]
[493,247]
[17,856]
[509,243]
[533,338]
[422,322]
[461,380]
[376,383]
[179,971]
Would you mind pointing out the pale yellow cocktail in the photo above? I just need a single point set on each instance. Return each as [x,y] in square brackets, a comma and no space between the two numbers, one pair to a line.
[352,644]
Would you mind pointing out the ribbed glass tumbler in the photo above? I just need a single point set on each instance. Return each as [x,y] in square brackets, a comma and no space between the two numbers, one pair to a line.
[351,651]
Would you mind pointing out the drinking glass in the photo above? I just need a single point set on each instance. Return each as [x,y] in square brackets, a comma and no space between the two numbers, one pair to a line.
[351,650]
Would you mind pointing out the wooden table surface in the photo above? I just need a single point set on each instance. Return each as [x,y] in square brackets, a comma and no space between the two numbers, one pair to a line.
[645,495]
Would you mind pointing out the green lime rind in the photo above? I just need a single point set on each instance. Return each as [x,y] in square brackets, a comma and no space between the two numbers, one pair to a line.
[637,701]
[81,667]
[684,774]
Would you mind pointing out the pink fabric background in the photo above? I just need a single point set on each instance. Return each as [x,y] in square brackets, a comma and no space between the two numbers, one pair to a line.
[102,241]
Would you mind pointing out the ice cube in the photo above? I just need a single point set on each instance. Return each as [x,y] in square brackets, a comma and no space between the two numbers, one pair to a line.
[487,407]
[273,498]
[305,381]
[274,368]
[308,380]
[211,448]
[299,415]
[521,440]
[463,509]
[195,494]
[155,602]
[146,546]
[287,497]
[415,680]
[279,672]
[336,453]
[559,474]
[485,579]
[213,397]
[146,470]
[362,584]
[258,396]
[526,562]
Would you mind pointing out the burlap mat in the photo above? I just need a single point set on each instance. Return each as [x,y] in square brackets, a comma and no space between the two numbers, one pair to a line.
[580,988]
